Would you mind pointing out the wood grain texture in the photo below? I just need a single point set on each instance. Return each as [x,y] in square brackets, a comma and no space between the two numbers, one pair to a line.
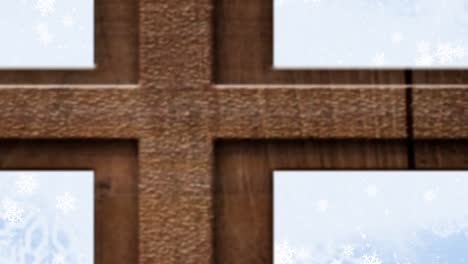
[243,35]
[116,51]
[440,112]
[176,43]
[177,112]
[115,166]
[440,77]
[175,127]
[441,154]
[317,112]
[243,185]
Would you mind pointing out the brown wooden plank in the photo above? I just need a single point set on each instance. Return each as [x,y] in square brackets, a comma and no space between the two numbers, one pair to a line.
[116,51]
[441,154]
[243,51]
[115,167]
[317,112]
[440,112]
[243,185]
[440,77]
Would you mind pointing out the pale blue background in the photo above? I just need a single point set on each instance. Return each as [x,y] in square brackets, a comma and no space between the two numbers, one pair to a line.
[350,34]
[71,233]
[72,45]
[381,213]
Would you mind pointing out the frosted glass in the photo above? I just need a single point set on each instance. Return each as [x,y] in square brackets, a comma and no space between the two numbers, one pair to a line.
[370,33]
[370,217]
[41,34]
[47,217]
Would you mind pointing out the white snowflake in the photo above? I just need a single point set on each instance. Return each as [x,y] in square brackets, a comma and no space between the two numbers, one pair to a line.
[445,230]
[423,47]
[284,254]
[68,21]
[12,212]
[58,258]
[370,259]
[379,59]
[44,36]
[336,261]
[430,195]
[26,184]
[397,37]
[424,60]
[322,205]
[302,254]
[348,251]
[371,190]
[66,202]
[46,7]
[444,53]
[447,53]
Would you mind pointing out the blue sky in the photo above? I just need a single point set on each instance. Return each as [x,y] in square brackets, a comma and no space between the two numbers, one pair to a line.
[46,216]
[41,34]
[370,34]
[416,216]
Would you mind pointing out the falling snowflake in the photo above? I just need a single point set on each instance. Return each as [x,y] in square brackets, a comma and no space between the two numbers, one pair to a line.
[397,37]
[26,184]
[348,251]
[12,212]
[424,60]
[66,202]
[68,21]
[371,190]
[445,229]
[44,36]
[423,47]
[379,59]
[447,53]
[302,254]
[430,196]
[322,205]
[369,259]
[58,258]
[284,254]
[46,7]
[336,261]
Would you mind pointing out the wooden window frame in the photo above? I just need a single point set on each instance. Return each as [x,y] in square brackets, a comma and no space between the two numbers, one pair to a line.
[115,167]
[243,186]
[179,110]
[244,55]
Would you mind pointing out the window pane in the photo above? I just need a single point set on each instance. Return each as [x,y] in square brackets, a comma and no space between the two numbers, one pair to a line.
[46,34]
[370,217]
[370,34]
[46,217]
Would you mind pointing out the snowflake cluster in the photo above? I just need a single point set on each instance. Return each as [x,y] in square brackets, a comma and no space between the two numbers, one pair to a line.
[59,258]
[12,212]
[26,184]
[46,7]
[348,251]
[370,259]
[66,202]
[284,254]
[44,35]
[444,53]
[25,212]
